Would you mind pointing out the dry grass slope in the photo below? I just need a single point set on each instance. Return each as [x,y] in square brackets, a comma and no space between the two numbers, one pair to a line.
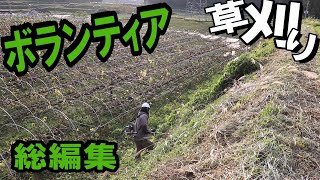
[266,126]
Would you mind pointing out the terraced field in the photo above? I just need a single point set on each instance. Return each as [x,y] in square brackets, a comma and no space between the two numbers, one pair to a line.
[93,100]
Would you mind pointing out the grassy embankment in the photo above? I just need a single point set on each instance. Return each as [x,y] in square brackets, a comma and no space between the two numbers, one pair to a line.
[182,120]
[263,127]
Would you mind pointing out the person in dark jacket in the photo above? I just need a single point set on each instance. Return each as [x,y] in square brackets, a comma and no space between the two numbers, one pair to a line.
[141,138]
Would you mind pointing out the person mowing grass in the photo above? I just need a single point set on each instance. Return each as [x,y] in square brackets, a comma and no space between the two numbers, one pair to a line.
[141,138]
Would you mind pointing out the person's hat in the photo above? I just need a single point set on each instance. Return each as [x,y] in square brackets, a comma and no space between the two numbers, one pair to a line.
[146,105]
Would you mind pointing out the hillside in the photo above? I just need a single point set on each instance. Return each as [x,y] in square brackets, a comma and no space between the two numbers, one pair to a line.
[265,126]
[221,110]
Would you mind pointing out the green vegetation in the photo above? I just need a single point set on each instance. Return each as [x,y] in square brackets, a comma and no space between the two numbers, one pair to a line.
[184,122]
[197,26]
[263,50]
[314,25]
[232,71]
